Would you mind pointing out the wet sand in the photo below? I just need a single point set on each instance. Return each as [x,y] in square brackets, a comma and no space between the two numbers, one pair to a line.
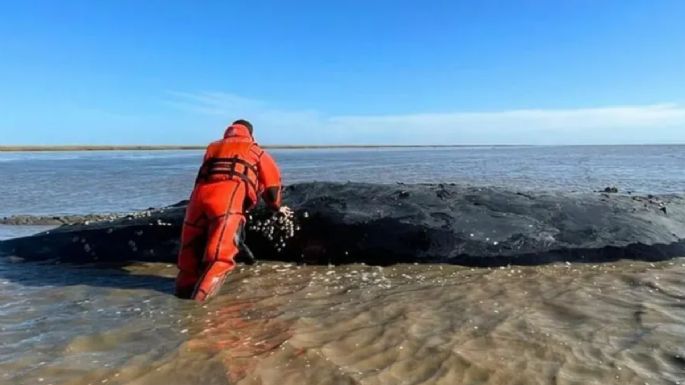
[274,323]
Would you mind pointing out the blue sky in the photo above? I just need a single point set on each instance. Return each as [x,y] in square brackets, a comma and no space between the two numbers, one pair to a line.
[316,72]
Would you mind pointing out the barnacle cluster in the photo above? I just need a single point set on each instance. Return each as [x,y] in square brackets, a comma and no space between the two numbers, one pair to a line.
[277,229]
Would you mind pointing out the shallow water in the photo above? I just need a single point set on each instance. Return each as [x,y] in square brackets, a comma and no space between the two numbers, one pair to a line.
[8,232]
[619,323]
[115,181]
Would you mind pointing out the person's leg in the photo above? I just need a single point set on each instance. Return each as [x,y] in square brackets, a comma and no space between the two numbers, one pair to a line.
[225,205]
[193,243]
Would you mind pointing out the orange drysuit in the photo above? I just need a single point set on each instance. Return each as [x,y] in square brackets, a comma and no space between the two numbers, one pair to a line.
[235,172]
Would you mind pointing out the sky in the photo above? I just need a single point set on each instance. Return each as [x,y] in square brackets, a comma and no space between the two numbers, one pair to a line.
[343,72]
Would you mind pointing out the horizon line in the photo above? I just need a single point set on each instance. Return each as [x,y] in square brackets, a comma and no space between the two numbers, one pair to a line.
[163,147]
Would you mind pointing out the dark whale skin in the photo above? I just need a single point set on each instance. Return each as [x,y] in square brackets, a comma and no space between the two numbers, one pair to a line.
[384,224]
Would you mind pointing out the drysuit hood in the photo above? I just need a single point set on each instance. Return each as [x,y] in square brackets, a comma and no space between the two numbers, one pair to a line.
[237,130]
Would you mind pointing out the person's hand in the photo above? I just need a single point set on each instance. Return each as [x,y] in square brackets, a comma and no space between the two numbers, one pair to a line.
[286,211]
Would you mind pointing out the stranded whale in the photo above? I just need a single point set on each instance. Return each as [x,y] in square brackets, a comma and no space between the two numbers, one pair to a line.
[384,224]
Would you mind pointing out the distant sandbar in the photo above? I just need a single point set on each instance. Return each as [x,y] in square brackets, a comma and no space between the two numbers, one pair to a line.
[197,147]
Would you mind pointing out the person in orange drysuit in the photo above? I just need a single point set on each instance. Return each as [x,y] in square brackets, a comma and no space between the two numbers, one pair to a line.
[235,172]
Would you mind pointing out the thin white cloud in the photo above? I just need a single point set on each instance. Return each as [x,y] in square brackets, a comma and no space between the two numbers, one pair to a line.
[558,119]
[212,103]
[655,123]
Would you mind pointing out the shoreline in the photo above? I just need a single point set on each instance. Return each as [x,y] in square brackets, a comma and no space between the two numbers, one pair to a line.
[70,148]
[93,148]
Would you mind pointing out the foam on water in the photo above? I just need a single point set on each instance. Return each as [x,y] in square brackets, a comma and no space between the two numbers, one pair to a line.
[619,323]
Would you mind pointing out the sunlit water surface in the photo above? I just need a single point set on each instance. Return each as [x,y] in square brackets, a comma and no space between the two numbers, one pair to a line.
[114,181]
[619,323]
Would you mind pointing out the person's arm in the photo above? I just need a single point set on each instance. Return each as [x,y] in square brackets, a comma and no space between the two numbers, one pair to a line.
[270,181]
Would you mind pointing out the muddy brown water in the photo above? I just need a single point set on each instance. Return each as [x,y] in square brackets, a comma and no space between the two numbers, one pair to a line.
[274,323]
